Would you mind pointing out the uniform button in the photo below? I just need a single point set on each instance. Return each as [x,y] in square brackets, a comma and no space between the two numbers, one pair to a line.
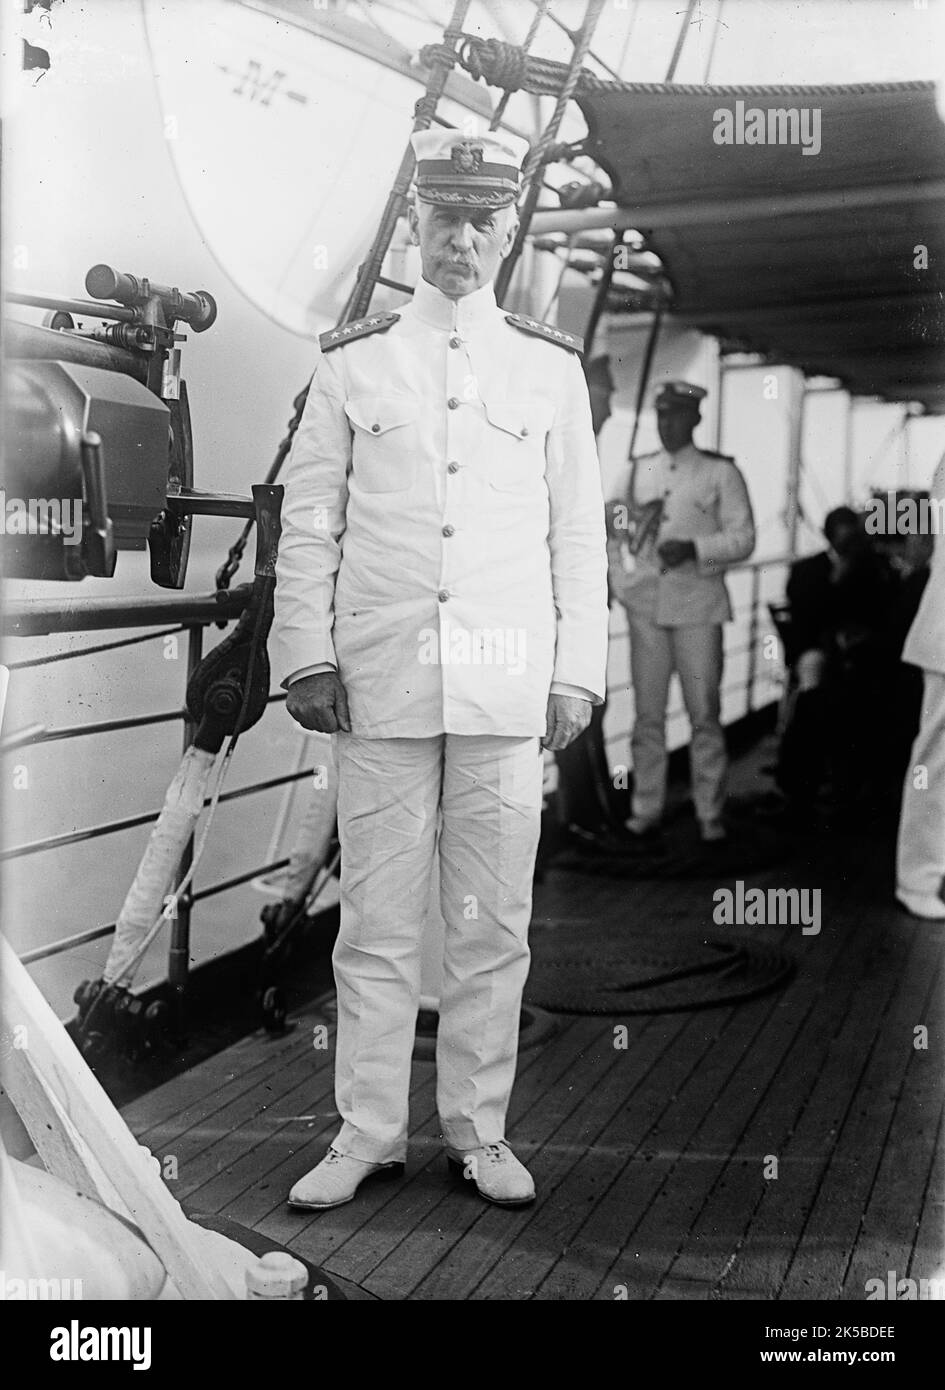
[452,468]
[524,431]
[456,342]
[443,595]
[449,530]
[375,429]
[453,402]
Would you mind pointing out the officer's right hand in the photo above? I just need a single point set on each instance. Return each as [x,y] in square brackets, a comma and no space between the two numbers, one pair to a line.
[319,702]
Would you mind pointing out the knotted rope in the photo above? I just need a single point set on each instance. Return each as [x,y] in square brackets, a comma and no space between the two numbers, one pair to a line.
[508,66]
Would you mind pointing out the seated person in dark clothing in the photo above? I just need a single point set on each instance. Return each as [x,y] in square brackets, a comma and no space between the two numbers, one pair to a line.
[842,621]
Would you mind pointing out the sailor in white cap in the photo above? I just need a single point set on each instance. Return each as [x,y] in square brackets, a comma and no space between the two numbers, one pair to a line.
[689,517]
[441,608]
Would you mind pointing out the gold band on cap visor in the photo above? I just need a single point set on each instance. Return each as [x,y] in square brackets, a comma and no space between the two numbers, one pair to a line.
[467,178]
[491,185]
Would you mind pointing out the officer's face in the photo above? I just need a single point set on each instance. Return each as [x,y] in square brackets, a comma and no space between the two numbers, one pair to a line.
[676,424]
[460,249]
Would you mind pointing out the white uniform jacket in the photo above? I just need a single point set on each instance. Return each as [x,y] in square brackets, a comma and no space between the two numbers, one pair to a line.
[443,537]
[705,500]
[925,644]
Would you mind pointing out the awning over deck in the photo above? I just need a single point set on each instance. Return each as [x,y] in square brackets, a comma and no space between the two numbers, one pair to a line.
[814,258]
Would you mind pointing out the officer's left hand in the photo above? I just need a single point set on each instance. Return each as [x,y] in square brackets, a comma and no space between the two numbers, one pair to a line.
[568,716]
[673,553]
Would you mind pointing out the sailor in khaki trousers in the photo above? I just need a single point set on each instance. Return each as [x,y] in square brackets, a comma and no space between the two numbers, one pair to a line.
[692,517]
[441,608]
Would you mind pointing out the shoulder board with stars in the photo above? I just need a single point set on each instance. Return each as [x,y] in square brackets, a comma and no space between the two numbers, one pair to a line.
[358,328]
[714,454]
[546,330]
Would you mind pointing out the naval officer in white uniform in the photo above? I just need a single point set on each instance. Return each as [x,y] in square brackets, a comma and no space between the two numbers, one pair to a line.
[920,859]
[694,519]
[441,607]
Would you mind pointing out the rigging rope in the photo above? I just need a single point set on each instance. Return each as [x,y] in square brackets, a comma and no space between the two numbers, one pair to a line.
[543,151]
[91,651]
[502,64]
[680,41]
[541,9]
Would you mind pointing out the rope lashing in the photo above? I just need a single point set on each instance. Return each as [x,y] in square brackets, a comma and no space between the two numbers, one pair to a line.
[501,64]
[541,9]
[506,65]
[539,156]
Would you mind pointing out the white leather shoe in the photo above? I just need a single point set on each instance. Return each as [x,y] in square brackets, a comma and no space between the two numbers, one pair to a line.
[336,1179]
[920,905]
[712,832]
[639,825]
[496,1172]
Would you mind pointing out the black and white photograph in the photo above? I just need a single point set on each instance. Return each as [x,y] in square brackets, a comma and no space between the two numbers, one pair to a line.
[472,540]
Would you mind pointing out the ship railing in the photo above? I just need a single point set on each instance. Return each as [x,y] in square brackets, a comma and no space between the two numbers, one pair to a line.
[189,617]
[756,681]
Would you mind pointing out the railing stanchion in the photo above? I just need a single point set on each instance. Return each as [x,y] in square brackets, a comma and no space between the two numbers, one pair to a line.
[178,956]
[753,637]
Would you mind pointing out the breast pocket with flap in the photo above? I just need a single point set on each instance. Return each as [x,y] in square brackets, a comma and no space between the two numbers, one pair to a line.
[705,505]
[517,431]
[384,452]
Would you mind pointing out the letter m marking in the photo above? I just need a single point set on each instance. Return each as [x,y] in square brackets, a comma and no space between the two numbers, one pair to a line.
[260,91]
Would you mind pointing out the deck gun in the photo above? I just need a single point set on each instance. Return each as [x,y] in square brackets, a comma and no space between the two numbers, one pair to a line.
[99,450]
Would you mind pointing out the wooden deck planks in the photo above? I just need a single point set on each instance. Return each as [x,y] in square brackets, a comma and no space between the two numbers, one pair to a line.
[662,1118]
[823,1250]
[535,1116]
[713,1243]
[357,1247]
[556,1236]
[760,1260]
[649,1160]
[206,1149]
[517,1264]
[365,1247]
[928,1256]
[706,1124]
[215,1080]
[889,1229]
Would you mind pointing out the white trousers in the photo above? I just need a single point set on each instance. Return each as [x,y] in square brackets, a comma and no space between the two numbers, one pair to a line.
[920,865]
[476,802]
[695,653]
